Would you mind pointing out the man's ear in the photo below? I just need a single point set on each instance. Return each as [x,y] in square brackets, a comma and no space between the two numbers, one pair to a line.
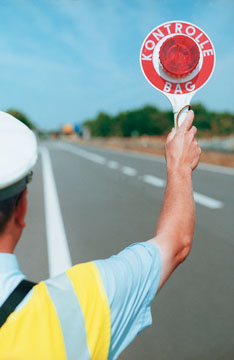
[21,209]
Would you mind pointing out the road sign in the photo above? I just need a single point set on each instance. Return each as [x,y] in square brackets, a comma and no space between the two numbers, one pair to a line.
[177,58]
[77,128]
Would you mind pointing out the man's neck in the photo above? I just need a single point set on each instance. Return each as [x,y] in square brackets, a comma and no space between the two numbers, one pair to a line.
[7,244]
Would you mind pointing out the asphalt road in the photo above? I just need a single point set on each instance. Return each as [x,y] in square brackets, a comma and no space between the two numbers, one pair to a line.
[109,199]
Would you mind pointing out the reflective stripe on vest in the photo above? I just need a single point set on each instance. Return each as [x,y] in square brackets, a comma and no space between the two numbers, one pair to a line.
[66,318]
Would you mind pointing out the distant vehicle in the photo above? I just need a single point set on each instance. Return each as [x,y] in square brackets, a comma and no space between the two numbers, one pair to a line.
[68,129]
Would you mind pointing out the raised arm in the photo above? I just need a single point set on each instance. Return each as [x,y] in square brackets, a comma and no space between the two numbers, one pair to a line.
[175,226]
[132,277]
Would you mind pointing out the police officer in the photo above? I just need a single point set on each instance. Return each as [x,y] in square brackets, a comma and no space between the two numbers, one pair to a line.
[93,310]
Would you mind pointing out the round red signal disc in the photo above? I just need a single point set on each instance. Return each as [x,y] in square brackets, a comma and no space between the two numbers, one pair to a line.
[194,58]
[179,56]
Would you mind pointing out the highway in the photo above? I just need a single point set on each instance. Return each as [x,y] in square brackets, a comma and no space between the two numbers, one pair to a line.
[87,203]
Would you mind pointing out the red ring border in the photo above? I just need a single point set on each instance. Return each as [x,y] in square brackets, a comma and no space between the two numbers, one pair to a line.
[199,80]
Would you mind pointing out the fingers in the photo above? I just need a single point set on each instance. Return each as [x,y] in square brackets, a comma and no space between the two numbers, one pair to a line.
[171,135]
[197,154]
[187,123]
[193,131]
[199,150]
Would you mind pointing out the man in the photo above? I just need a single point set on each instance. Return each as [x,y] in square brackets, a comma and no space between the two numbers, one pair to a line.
[93,310]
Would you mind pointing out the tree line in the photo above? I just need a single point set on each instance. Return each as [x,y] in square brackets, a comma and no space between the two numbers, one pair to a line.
[149,120]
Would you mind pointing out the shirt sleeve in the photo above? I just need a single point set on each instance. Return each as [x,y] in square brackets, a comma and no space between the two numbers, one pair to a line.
[130,280]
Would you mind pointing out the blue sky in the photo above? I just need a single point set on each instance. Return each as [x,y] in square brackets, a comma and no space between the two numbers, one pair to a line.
[63,61]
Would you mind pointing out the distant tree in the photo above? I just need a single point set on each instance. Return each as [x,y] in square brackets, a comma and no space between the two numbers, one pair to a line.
[145,121]
[225,123]
[213,123]
[104,125]
[203,118]
[149,120]
[22,117]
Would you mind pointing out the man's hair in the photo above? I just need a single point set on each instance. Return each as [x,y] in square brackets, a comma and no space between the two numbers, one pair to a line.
[6,210]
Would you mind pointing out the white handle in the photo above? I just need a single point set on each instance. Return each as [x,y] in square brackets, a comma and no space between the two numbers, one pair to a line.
[180,105]
[179,116]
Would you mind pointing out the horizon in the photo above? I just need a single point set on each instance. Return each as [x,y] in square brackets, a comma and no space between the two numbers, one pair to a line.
[65,61]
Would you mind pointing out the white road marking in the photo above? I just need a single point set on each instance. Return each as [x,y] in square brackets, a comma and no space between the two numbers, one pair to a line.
[160,158]
[216,168]
[83,153]
[58,251]
[96,158]
[153,180]
[207,201]
[126,170]
[112,164]
[198,198]
[132,153]
[149,179]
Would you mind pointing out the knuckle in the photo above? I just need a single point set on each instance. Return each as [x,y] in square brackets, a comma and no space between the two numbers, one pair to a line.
[181,130]
[190,136]
[194,129]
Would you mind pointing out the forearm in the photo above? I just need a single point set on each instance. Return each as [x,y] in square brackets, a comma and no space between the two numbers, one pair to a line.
[175,226]
[177,218]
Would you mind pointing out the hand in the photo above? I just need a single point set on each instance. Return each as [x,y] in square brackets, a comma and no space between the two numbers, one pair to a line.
[182,150]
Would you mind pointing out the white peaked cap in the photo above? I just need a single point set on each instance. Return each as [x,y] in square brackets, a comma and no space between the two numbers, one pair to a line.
[18,153]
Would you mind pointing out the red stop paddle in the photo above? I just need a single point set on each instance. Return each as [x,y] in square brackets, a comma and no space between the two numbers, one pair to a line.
[177,58]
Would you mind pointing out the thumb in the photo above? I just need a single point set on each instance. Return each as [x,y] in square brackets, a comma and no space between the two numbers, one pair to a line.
[188,122]
[171,135]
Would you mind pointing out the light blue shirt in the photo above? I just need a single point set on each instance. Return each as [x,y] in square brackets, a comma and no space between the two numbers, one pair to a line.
[130,280]
[10,275]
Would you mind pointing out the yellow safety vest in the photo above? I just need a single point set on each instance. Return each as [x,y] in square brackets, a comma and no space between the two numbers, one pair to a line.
[67,317]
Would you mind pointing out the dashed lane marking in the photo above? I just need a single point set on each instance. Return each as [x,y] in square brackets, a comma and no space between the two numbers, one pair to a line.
[58,251]
[83,153]
[129,171]
[126,170]
[153,180]
[198,198]
[207,201]
[113,164]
